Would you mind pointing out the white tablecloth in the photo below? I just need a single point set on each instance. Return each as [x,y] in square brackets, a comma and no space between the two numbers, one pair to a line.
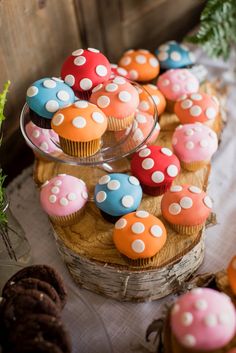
[126,322]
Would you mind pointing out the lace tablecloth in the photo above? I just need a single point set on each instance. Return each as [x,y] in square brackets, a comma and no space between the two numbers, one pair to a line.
[126,323]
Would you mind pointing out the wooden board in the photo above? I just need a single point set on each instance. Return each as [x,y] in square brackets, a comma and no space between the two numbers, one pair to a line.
[88,249]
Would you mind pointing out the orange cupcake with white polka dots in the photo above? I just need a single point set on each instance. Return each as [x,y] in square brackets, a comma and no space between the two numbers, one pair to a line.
[141,65]
[150,97]
[118,99]
[80,128]
[139,236]
[186,208]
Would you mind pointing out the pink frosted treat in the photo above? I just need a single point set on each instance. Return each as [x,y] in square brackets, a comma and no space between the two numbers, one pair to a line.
[118,99]
[176,83]
[42,138]
[63,198]
[194,145]
[203,319]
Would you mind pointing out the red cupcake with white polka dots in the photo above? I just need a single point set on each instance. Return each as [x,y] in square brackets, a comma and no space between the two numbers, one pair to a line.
[186,208]
[63,198]
[197,107]
[118,71]
[85,69]
[118,99]
[202,320]
[156,167]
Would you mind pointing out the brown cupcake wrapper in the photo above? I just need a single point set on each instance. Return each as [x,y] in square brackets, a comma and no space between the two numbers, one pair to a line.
[115,124]
[157,190]
[139,262]
[39,121]
[84,95]
[170,106]
[69,219]
[194,166]
[80,149]
[187,230]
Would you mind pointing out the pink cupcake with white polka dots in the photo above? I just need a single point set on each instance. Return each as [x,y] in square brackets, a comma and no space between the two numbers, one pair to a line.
[203,320]
[174,84]
[194,145]
[118,99]
[63,198]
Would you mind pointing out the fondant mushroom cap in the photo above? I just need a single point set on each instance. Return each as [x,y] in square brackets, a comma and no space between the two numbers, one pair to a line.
[147,103]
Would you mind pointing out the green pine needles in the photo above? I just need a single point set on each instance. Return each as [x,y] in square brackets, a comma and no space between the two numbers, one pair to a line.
[217,30]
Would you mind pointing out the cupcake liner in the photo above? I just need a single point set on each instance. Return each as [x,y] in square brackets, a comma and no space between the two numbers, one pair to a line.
[187,230]
[156,190]
[68,220]
[170,106]
[85,95]
[139,262]
[115,124]
[80,149]
[44,123]
[194,166]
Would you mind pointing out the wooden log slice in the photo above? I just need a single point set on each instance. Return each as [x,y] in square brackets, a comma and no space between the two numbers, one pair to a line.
[87,247]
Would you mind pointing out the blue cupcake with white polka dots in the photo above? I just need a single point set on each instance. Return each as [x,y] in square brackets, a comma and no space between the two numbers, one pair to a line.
[173,55]
[46,96]
[117,194]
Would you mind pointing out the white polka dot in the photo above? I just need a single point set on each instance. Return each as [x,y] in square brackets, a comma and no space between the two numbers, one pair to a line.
[176,88]
[224,319]
[179,127]
[164,47]
[189,132]
[52,106]
[142,214]
[210,320]
[72,196]
[64,201]
[36,134]
[113,185]
[103,101]
[156,99]
[157,177]
[127,201]
[195,110]
[153,62]
[162,56]
[81,104]
[175,309]
[197,128]
[55,190]
[63,95]
[104,179]
[32,91]
[93,50]
[79,122]
[101,70]
[79,60]
[192,86]
[141,118]
[166,151]
[211,113]
[145,152]
[138,246]
[187,319]
[201,304]
[156,231]
[195,190]
[138,228]
[203,143]
[119,80]
[52,198]
[172,170]
[126,60]
[196,291]
[207,201]
[140,59]
[184,47]
[57,182]
[124,96]
[121,223]
[101,196]
[148,163]
[186,202]
[70,80]
[138,135]
[174,209]
[44,146]
[189,340]
[174,141]
[196,96]
[122,71]
[144,105]
[133,74]
[86,84]
[49,84]
[98,117]
[176,188]
[97,88]
[45,132]
[133,180]
[165,82]
[189,145]
[111,87]
[84,195]
[175,56]
[77,52]
[62,174]
[186,104]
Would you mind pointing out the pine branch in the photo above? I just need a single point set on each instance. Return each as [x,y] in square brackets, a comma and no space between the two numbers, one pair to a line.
[3,99]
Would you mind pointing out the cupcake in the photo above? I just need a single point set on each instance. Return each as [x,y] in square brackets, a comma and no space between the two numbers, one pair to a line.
[173,55]
[202,320]
[139,236]
[194,145]
[231,272]
[186,208]
[116,195]
[85,69]
[141,65]
[197,107]
[176,83]
[80,128]
[118,71]
[150,97]
[118,99]
[63,199]
[156,167]
[46,96]
[43,139]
